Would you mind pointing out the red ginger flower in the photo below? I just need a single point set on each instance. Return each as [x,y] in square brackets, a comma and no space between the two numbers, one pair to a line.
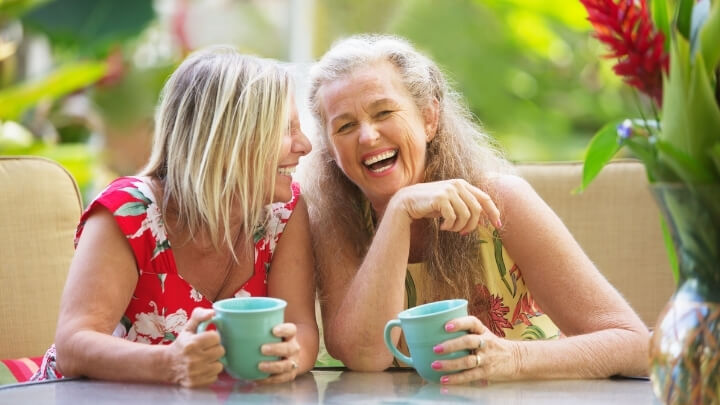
[625,26]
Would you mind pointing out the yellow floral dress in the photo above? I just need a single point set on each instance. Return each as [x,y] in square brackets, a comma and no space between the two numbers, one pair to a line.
[502,303]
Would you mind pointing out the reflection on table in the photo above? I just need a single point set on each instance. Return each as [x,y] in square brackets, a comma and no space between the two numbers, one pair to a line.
[337,387]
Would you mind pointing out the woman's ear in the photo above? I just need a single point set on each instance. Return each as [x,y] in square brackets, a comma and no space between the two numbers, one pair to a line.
[431,115]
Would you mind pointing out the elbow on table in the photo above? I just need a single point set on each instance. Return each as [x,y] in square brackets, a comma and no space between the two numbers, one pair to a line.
[65,361]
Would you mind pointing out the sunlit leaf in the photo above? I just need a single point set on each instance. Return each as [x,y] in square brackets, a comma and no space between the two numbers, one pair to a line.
[710,38]
[661,19]
[602,148]
[15,100]
[15,8]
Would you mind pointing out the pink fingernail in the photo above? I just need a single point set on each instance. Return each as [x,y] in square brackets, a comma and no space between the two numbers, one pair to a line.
[436,365]
[449,327]
[444,379]
[499,223]
[438,349]
[463,233]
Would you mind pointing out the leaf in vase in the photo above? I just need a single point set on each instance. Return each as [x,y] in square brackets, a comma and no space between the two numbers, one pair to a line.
[602,148]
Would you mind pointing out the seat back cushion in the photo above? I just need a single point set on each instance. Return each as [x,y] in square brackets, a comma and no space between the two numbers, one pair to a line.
[617,223]
[39,209]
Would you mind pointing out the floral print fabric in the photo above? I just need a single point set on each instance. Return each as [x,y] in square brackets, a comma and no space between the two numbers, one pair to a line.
[163,301]
[503,303]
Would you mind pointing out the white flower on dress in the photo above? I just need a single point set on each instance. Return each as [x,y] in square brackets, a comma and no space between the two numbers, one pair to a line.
[195,295]
[278,213]
[153,219]
[242,293]
[155,326]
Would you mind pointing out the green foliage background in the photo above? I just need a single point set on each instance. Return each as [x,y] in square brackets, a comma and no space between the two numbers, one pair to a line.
[529,69]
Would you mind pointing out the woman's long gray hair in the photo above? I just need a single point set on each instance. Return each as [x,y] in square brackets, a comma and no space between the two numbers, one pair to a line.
[459,150]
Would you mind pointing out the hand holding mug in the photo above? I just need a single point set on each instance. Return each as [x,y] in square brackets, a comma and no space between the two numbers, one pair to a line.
[246,324]
[490,357]
[288,350]
[424,327]
[195,358]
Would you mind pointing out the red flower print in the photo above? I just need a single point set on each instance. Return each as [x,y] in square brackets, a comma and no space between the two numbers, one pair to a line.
[526,308]
[490,310]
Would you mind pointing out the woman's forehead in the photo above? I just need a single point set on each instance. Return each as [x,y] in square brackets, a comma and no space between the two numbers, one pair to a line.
[366,83]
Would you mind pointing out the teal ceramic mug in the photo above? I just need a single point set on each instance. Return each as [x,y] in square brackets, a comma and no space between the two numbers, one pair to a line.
[424,327]
[244,325]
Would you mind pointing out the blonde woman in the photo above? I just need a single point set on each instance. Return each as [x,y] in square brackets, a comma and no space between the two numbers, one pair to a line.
[411,204]
[154,251]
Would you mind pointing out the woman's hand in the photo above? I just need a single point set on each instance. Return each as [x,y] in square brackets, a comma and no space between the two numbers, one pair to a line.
[460,204]
[491,357]
[288,350]
[195,358]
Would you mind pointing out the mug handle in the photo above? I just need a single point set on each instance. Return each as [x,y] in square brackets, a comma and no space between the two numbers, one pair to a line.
[395,323]
[203,326]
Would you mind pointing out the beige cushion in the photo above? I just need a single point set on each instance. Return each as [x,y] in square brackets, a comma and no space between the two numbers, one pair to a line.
[617,223]
[40,206]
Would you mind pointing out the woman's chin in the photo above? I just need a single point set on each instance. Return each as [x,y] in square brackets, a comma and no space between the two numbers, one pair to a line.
[282,192]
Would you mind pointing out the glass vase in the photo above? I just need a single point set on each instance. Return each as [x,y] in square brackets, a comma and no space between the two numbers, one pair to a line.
[685,346]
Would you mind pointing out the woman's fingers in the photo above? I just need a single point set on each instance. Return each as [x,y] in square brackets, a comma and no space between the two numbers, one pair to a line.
[471,342]
[198,315]
[280,349]
[277,367]
[475,209]
[488,206]
[285,330]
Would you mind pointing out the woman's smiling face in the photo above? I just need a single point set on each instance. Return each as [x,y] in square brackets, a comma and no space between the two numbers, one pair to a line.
[377,134]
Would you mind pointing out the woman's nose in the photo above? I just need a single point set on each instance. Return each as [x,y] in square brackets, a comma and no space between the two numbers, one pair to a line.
[301,144]
[368,134]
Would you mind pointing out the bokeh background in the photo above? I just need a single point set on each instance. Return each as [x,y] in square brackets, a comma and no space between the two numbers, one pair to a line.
[79,79]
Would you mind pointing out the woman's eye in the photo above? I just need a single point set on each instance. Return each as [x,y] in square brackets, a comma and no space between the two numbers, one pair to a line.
[345,127]
[383,114]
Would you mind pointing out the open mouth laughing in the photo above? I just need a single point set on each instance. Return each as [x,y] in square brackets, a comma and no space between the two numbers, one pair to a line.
[381,162]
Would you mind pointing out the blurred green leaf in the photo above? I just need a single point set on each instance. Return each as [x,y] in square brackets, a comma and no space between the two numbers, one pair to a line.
[670,249]
[688,169]
[710,38]
[15,100]
[644,150]
[90,27]
[77,158]
[15,8]
[683,17]
[715,155]
[661,19]
[602,148]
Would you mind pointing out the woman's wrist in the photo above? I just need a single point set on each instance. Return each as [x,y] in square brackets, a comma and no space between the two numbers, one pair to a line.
[162,361]
[397,208]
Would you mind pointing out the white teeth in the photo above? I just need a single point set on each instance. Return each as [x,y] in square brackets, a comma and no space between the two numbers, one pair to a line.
[382,156]
[287,171]
[380,169]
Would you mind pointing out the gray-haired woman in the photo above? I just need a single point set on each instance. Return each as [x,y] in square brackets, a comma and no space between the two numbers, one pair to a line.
[411,204]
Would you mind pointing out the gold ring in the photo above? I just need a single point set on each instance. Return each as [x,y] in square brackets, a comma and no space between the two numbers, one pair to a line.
[294,364]
[477,360]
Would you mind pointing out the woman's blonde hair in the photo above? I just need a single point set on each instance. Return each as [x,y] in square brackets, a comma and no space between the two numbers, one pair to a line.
[460,149]
[218,133]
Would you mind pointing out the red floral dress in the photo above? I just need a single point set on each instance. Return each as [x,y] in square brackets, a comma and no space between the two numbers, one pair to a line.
[163,301]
